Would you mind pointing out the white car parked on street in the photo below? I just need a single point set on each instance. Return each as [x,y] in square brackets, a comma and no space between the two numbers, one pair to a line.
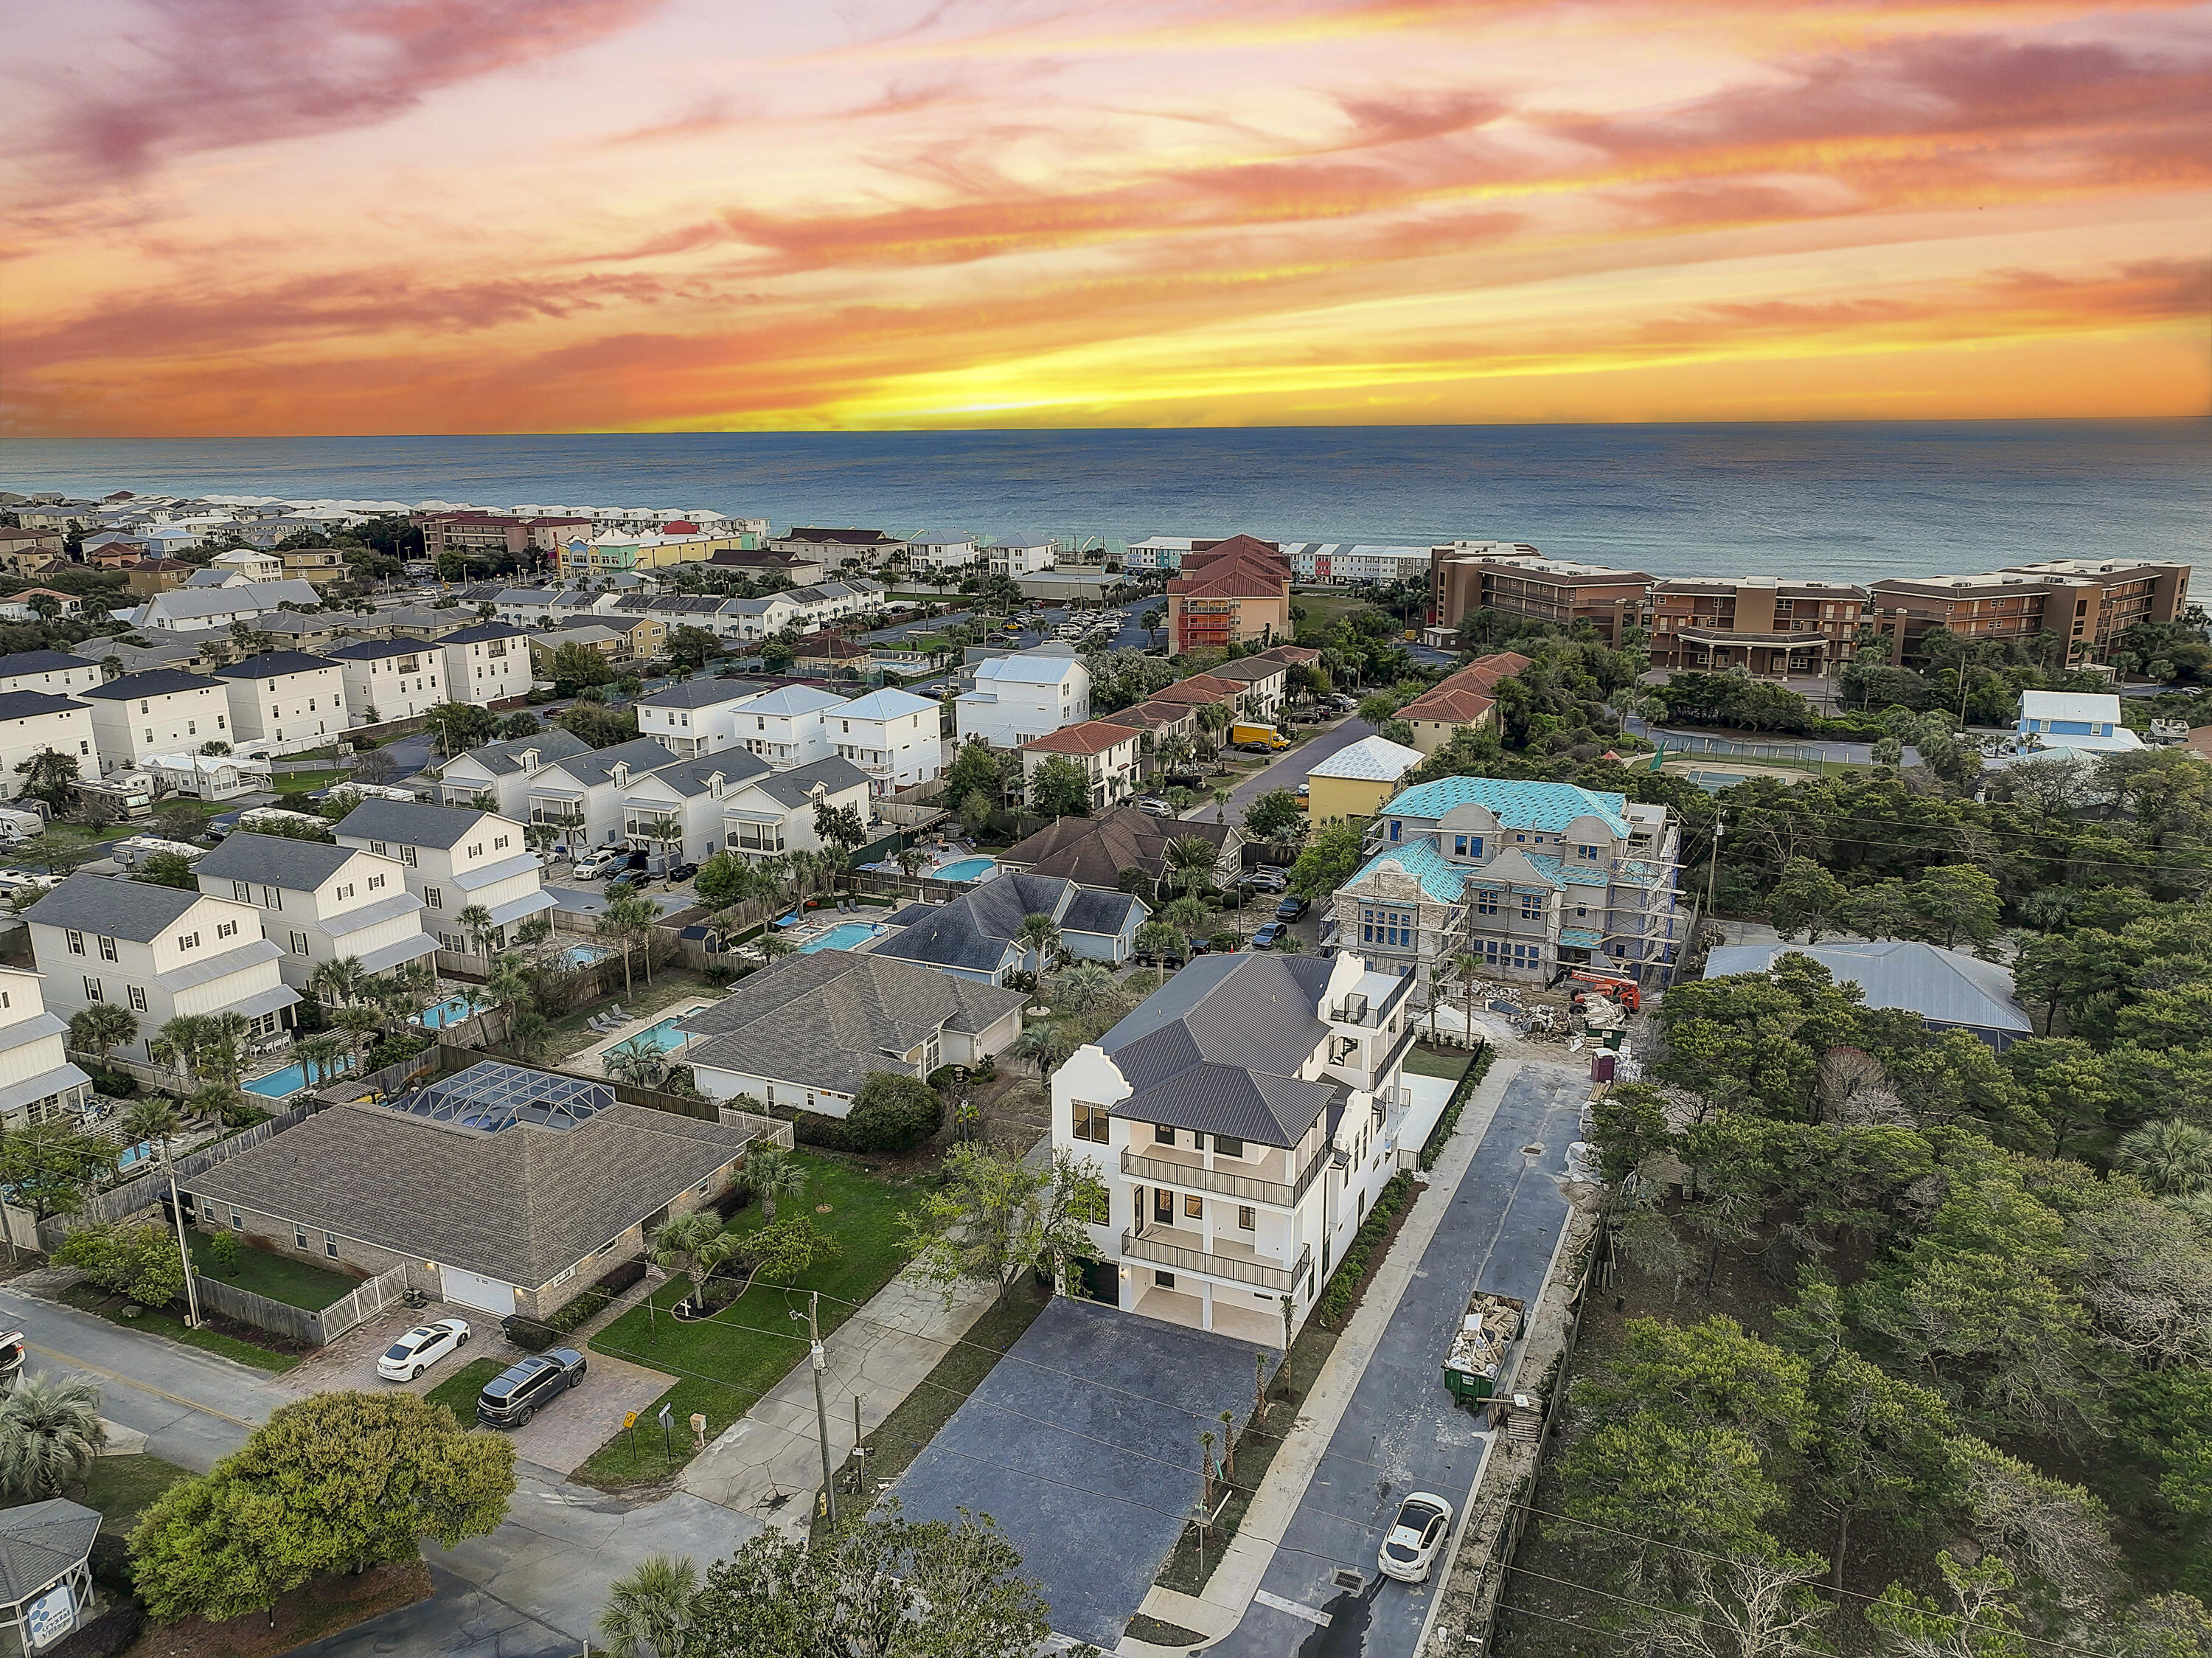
[421,1348]
[1409,1552]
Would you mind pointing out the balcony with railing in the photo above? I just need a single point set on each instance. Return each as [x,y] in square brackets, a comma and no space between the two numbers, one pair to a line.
[1165,1166]
[1185,1252]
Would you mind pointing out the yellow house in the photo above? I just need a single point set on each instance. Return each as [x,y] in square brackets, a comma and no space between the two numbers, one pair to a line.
[1354,781]
[677,544]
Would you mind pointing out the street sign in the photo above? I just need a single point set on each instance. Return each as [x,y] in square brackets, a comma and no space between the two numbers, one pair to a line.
[630,1421]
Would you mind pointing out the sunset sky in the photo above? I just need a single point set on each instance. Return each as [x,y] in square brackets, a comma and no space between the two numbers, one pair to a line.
[279,217]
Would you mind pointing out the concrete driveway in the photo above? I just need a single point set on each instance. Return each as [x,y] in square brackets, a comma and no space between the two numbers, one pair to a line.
[1083,1445]
[571,1428]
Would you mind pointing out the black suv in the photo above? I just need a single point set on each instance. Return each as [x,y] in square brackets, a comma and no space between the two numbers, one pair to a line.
[1291,908]
[520,1392]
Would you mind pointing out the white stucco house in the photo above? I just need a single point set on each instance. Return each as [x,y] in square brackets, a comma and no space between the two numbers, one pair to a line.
[157,711]
[486,664]
[286,698]
[784,726]
[33,721]
[1020,697]
[38,1083]
[390,678]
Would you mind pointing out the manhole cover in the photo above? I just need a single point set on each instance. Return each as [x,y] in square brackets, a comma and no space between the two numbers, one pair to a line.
[1531,1151]
[1348,1579]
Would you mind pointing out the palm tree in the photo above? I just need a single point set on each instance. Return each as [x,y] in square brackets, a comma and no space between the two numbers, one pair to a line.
[648,1613]
[666,832]
[1043,1047]
[151,1119]
[529,1035]
[1215,719]
[769,1174]
[359,1028]
[1221,806]
[180,1042]
[2171,1157]
[680,1243]
[338,983]
[223,1058]
[475,925]
[1468,970]
[912,860]
[101,1028]
[1188,916]
[50,1432]
[1039,934]
[636,1061]
[1174,753]
[321,1058]
[1191,859]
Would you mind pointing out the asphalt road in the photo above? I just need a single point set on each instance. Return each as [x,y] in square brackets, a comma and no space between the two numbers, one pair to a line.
[1400,1433]
[557,1552]
[1285,770]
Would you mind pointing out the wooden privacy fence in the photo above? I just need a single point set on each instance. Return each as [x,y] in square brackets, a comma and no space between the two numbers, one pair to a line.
[134,1195]
[309,1329]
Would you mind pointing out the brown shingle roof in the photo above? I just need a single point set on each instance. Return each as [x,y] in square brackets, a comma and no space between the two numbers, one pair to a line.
[1091,737]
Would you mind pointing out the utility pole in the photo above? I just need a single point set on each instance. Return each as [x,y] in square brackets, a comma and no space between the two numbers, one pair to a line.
[184,1251]
[821,1405]
[1713,869]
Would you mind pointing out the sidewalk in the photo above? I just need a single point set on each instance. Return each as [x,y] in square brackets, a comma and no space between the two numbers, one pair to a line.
[767,1463]
[1218,1612]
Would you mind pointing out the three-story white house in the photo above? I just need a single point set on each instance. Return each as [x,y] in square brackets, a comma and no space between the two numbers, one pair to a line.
[390,678]
[486,664]
[1024,696]
[158,952]
[503,770]
[1525,877]
[1243,1118]
[775,814]
[161,710]
[697,717]
[286,698]
[889,734]
[453,859]
[320,903]
[784,726]
[31,722]
[688,794]
[582,795]
[38,1083]
[54,672]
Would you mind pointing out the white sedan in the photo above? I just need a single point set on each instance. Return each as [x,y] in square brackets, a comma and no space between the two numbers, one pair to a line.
[1409,1553]
[421,1348]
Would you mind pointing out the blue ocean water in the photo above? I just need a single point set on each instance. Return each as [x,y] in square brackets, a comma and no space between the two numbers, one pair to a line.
[1849,502]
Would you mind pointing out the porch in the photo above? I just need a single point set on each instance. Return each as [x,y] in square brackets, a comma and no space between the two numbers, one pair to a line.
[1243,1314]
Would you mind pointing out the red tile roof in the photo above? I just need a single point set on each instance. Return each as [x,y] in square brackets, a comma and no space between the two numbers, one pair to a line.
[1091,737]
[1463,697]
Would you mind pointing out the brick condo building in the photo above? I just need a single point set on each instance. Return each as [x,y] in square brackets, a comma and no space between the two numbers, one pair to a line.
[1238,590]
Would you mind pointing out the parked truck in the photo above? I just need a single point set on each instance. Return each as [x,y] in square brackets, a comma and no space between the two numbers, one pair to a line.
[1486,1335]
[1264,735]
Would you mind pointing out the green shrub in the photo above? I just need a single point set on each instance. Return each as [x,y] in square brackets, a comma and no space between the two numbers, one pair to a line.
[1337,1294]
[1448,1120]
[114,1084]
[223,1249]
[892,1113]
[139,1263]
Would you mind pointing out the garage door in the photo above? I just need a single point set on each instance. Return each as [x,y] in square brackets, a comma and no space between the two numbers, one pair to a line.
[471,1290]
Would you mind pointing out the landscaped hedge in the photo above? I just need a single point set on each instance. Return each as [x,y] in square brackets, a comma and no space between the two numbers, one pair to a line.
[1336,1295]
[1448,1120]
[536,1335]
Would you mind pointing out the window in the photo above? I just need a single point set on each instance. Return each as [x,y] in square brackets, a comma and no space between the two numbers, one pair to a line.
[1228,1145]
[299,1234]
[476,850]
[92,990]
[407,856]
[500,844]
[331,1245]
[1247,1218]
[1163,1134]
[1532,907]
[1091,1122]
[1397,829]
[375,881]
[1162,1204]
[1194,1206]
[299,944]
[435,898]
[1164,1280]
[107,948]
[1467,846]
[188,940]
[1485,903]
[225,928]
[237,1222]
[242,892]
[1393,929]
[76,943]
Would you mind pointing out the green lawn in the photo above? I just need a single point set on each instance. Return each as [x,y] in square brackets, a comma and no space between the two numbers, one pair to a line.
[123,1487]
[1449,1066]
[723,1364]
[85,1298]
[297,1283]
[459,1390]
[298,782]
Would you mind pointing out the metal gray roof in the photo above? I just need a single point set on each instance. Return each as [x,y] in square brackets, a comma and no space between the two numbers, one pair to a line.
[135,910]
[1941,986]
[701,693]
[828,1019]
[276,860]
[692,776]
[409,823]
[40,1542]
[1254,1016]
[154,682]
[598,766]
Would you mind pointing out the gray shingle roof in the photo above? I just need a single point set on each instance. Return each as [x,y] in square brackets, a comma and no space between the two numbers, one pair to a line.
[40,1542]
[976,930]
[701,693]
[690,776]
[28,704]
[598,766]
[793,787]
[1940,985]
[522,1206]
[1092,911]
[828,1019]
[270,663]
[409,823]
[483,631]
[1253,1017]
[154,682]
[276,860]
[368,650]
[553,743]
[37,662]
[120,909]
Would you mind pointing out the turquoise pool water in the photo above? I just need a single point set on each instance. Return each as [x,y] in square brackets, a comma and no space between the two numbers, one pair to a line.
[845,935]
[663,1036]
[967,869]
[450,1012]
[582,955]
[283,1084]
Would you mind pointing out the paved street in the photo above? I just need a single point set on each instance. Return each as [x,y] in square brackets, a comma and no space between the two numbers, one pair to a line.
[561,1546]
[1400,1432]
[1285,770]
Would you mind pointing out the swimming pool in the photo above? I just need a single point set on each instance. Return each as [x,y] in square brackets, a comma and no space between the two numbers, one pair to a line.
[663,1036]
[283,1084]
[449,1012]
[966,869]
[845,935]
[581,955]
